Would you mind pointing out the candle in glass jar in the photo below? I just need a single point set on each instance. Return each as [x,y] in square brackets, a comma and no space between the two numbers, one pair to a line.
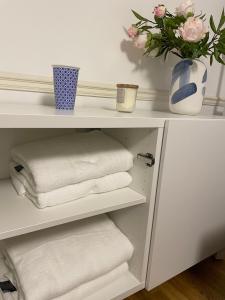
[126,97]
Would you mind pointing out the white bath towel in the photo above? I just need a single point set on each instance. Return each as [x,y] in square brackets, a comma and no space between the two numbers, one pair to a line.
[2,296]
[9,296]
[6,274]
[66,256]
[78,293]
[60,161]
[71,192]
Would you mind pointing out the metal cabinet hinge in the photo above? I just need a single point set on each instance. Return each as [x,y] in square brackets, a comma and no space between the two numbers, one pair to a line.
[147,156]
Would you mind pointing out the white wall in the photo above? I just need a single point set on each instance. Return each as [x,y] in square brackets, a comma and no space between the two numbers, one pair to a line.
[35,34]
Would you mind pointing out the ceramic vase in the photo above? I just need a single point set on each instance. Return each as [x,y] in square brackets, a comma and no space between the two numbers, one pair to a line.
[188,87]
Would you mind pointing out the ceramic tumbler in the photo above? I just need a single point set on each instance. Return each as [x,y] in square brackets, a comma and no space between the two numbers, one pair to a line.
[65,86]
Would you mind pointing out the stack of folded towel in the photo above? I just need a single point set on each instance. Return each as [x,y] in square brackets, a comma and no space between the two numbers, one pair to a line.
[65,168]
[68,262]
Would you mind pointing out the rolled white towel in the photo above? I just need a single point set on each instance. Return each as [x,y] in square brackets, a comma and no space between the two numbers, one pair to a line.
[51,262]
[68,193]
[60,161]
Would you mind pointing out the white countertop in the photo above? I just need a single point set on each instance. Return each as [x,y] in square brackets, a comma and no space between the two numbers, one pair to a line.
[41,116]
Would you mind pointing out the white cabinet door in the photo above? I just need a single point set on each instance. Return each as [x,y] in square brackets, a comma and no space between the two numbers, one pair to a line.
[189,222]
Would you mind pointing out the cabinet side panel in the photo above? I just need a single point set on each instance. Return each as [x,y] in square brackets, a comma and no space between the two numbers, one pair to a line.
[136,222]
[189,222]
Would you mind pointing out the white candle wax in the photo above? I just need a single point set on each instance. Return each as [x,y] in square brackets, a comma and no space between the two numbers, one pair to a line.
[126,97]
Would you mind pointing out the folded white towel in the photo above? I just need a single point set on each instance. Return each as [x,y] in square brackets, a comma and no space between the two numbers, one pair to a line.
[2,296]
[68,193]
[9,296]
[6,274]
[93,286]
[60,161]
[51,262]
[78,293]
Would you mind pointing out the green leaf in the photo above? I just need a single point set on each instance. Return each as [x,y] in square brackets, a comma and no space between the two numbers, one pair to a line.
[171,23]
[139,17]
[202,17]
[146,28]
[177,54]
[157,36]
[205,40]
[159,22]
[212,24]
[221,50]
[166,53]
[222,21]
[161,51]
[211,59]
[217,56]
[138,23]
[190,14]
[219,59]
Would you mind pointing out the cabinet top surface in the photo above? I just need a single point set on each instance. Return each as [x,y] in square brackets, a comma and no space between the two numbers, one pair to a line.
[40,116]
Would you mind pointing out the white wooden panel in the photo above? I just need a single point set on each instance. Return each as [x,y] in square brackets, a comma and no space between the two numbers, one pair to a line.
[136,222]
[18,215]
[189,222]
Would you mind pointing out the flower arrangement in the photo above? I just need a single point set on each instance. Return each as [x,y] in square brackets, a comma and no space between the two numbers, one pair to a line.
[182,33]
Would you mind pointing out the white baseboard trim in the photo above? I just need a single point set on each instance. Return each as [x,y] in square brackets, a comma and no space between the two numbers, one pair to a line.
[44,84]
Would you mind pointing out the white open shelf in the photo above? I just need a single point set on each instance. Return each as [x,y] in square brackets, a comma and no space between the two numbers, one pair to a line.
[18,215]
[43,116]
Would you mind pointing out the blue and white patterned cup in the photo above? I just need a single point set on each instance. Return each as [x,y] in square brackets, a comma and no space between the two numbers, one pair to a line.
[65,86]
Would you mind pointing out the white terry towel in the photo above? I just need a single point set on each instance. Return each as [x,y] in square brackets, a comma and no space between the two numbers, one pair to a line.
[78,293]
[68,193]
[2,296]
[56,162]
[5,275]
[51,262]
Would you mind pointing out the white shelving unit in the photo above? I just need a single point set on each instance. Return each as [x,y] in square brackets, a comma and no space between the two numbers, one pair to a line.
[18,215]
[130,208]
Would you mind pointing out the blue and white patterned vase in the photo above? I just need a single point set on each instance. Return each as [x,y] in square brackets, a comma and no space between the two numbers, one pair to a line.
[65,86]
[188,87]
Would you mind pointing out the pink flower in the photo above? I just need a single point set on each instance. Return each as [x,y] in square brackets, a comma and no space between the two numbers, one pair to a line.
[140,41]
[185,8]
[160,11]
[193,30]
[132,32]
